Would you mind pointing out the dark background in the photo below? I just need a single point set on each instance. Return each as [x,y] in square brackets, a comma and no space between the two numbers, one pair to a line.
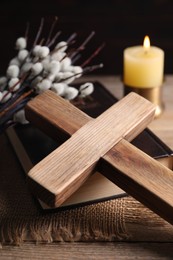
[118,23]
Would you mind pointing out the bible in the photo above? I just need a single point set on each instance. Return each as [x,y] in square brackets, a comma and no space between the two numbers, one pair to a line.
[32,145]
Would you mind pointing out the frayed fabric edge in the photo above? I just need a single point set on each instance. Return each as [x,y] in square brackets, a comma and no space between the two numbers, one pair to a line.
[45,232]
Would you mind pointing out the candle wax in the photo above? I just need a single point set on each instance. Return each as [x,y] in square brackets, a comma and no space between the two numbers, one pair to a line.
[143,68]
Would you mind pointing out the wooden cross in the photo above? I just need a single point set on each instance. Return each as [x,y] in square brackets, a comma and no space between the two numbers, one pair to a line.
[101,142]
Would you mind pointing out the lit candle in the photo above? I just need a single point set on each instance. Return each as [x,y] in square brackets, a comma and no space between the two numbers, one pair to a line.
[144,71]
[143,66]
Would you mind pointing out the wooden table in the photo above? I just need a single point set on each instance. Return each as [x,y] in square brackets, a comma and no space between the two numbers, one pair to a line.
[163,127]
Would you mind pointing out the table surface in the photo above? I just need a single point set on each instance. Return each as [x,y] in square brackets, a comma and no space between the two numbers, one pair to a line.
[163,127]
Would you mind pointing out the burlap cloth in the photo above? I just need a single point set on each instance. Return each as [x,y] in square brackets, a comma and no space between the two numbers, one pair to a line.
[22,220]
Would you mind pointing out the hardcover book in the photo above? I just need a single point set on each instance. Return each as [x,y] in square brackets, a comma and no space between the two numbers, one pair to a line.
[31,145]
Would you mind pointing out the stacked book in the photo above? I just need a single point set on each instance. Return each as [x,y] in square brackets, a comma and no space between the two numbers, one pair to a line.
[31,145]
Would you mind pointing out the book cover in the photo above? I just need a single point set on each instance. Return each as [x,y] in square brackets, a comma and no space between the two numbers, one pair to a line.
[32,145]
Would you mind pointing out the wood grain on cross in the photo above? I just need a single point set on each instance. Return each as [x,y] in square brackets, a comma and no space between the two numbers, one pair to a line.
[101,142]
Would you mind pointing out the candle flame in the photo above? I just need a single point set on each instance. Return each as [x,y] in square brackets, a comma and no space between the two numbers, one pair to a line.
[146,43]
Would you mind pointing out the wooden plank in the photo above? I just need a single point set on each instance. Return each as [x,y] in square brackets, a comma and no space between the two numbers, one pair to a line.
[89,250]
[141,176]
[55,116]
[62,172]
